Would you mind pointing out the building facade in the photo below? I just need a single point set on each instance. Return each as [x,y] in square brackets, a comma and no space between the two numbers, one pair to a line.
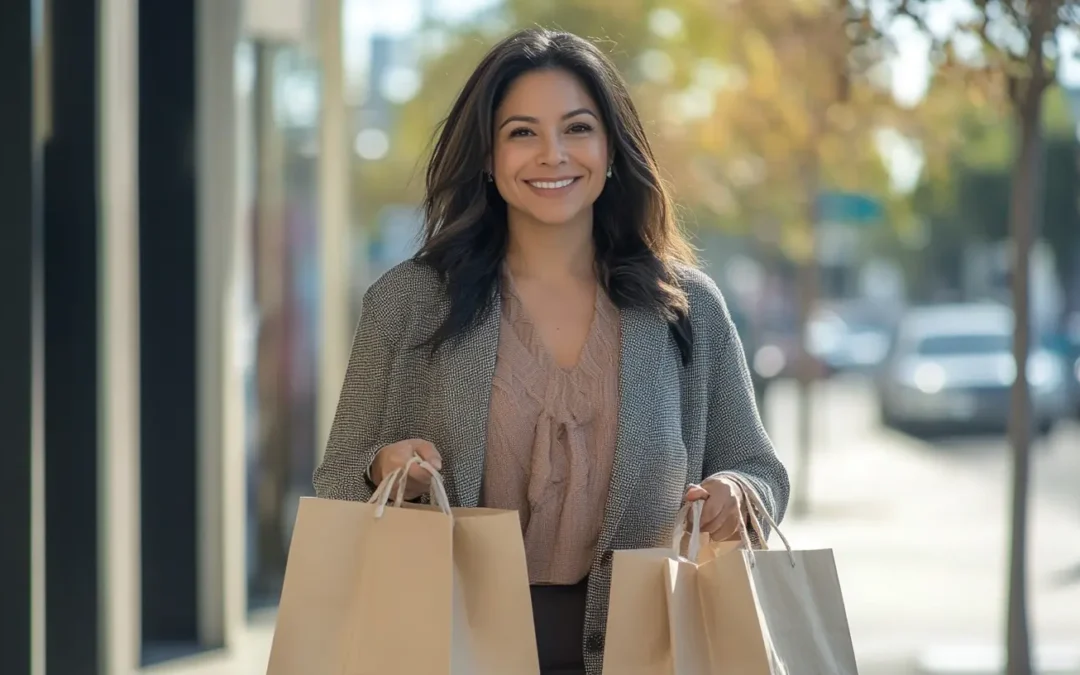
[172,250]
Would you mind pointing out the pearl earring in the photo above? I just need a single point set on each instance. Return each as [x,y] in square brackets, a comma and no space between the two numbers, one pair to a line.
[609,172]
[489,177]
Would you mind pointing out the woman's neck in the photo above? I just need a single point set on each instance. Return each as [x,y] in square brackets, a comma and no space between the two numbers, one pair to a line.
[542,251]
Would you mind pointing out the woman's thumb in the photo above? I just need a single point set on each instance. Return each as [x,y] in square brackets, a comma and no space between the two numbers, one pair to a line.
[696,492]
[429,454]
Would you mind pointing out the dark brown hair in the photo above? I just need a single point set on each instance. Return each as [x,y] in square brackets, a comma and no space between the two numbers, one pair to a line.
[638,243]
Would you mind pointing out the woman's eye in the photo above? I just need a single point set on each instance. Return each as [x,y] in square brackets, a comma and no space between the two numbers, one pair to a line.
[579,128]
[522,131]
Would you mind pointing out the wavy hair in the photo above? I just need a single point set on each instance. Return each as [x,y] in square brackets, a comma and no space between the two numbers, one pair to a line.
[637,241]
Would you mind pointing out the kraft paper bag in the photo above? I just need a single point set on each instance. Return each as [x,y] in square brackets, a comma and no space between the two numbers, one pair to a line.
[385,587]
[727,609]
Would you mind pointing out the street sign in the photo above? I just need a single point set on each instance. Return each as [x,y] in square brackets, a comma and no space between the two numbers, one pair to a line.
[850,208]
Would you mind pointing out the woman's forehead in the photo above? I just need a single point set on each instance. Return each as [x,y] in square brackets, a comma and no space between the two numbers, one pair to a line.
[544,94]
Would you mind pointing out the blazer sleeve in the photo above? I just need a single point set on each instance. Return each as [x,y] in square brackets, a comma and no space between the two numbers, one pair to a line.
[359,420]
[736,440]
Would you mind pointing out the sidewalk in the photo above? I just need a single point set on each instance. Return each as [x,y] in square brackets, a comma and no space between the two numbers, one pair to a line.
[921,547]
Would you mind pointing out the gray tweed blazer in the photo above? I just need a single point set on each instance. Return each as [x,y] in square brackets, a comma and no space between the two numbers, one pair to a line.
[676,424]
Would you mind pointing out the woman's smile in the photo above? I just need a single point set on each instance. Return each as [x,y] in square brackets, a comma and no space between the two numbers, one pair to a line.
[558,187]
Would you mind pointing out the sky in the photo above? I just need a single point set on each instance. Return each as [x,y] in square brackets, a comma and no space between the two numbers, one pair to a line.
[363,18]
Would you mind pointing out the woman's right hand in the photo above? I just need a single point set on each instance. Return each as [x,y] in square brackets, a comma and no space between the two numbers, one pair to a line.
[394,456]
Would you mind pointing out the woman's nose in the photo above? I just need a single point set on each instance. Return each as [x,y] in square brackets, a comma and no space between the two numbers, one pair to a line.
[553,151]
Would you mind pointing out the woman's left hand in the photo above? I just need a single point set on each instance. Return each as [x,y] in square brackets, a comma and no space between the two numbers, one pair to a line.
[721,515]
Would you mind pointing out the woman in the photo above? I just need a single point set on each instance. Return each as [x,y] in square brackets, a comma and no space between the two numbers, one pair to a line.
[551,348]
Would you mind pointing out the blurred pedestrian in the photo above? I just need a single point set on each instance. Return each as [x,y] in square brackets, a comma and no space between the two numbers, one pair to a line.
[552,348]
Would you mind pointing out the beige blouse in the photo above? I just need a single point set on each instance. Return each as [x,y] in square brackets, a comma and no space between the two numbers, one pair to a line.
[551,439]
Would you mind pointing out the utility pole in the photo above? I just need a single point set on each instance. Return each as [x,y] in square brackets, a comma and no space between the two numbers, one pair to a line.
[806,367]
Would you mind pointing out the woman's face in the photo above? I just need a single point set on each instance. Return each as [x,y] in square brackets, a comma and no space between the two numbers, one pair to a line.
[551,148]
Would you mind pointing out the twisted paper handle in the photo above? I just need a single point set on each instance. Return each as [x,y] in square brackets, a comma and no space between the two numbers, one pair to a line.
[399,477]
[755,507]
[693,548]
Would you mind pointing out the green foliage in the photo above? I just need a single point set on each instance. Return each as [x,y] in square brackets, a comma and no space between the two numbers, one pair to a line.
[973,203]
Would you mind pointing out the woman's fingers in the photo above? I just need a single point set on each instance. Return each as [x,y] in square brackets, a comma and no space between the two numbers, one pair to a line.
[420,474]
[427,452]
[419,477]
[712,515]
[724,526]
[397,455]
[695,493]
[720,511]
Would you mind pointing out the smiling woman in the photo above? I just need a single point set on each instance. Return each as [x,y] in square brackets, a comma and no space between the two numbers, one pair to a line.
[540,109]
[551,349]
[557,153]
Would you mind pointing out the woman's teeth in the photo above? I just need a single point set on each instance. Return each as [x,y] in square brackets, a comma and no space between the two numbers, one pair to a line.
[549,185]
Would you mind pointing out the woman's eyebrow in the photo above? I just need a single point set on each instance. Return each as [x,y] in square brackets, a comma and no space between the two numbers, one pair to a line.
[533,120]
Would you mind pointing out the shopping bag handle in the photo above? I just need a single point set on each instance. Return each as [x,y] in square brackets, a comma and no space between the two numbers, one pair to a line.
[400,478]
[756,505]
[693,511]
[754,508]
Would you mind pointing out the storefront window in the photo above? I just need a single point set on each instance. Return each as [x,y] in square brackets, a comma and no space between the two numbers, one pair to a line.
[283,374]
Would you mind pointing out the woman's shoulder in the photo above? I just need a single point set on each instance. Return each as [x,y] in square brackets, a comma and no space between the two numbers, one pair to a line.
[710,316]
[407,290]
[405,281]
[707,302]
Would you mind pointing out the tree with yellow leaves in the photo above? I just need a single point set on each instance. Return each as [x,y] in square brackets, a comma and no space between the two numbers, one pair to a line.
[806,113]
[1005,52]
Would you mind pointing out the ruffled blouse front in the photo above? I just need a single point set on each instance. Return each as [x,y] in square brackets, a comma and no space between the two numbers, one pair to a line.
[551,439]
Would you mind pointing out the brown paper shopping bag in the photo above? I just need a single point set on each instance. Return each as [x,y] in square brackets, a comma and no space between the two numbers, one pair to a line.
[654,628]
[737,612]
[381,587]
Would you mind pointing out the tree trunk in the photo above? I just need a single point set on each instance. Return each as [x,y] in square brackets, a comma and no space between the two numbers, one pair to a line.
[1022,216]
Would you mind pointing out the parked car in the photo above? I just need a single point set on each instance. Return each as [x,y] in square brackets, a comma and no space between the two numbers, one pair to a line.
[951,367]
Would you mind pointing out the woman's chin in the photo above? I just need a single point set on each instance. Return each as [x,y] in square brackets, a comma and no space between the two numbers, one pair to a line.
[556,217]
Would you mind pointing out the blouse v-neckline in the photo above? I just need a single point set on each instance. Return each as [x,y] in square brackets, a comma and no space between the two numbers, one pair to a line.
[518,317]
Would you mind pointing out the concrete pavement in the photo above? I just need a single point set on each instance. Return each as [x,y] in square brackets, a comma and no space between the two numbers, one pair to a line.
[920,535]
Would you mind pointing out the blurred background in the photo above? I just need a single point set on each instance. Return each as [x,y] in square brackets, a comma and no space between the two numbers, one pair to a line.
[198,192]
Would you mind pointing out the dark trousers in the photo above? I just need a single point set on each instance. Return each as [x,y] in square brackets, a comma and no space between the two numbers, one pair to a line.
[559,615]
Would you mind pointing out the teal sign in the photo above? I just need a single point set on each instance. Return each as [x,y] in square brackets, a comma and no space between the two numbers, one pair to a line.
[849,207]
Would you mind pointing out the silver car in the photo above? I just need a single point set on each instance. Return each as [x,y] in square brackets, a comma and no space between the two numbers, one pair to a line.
[951,366]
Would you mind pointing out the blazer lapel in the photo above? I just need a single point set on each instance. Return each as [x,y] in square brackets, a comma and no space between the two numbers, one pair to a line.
[643,333]
[470,369]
